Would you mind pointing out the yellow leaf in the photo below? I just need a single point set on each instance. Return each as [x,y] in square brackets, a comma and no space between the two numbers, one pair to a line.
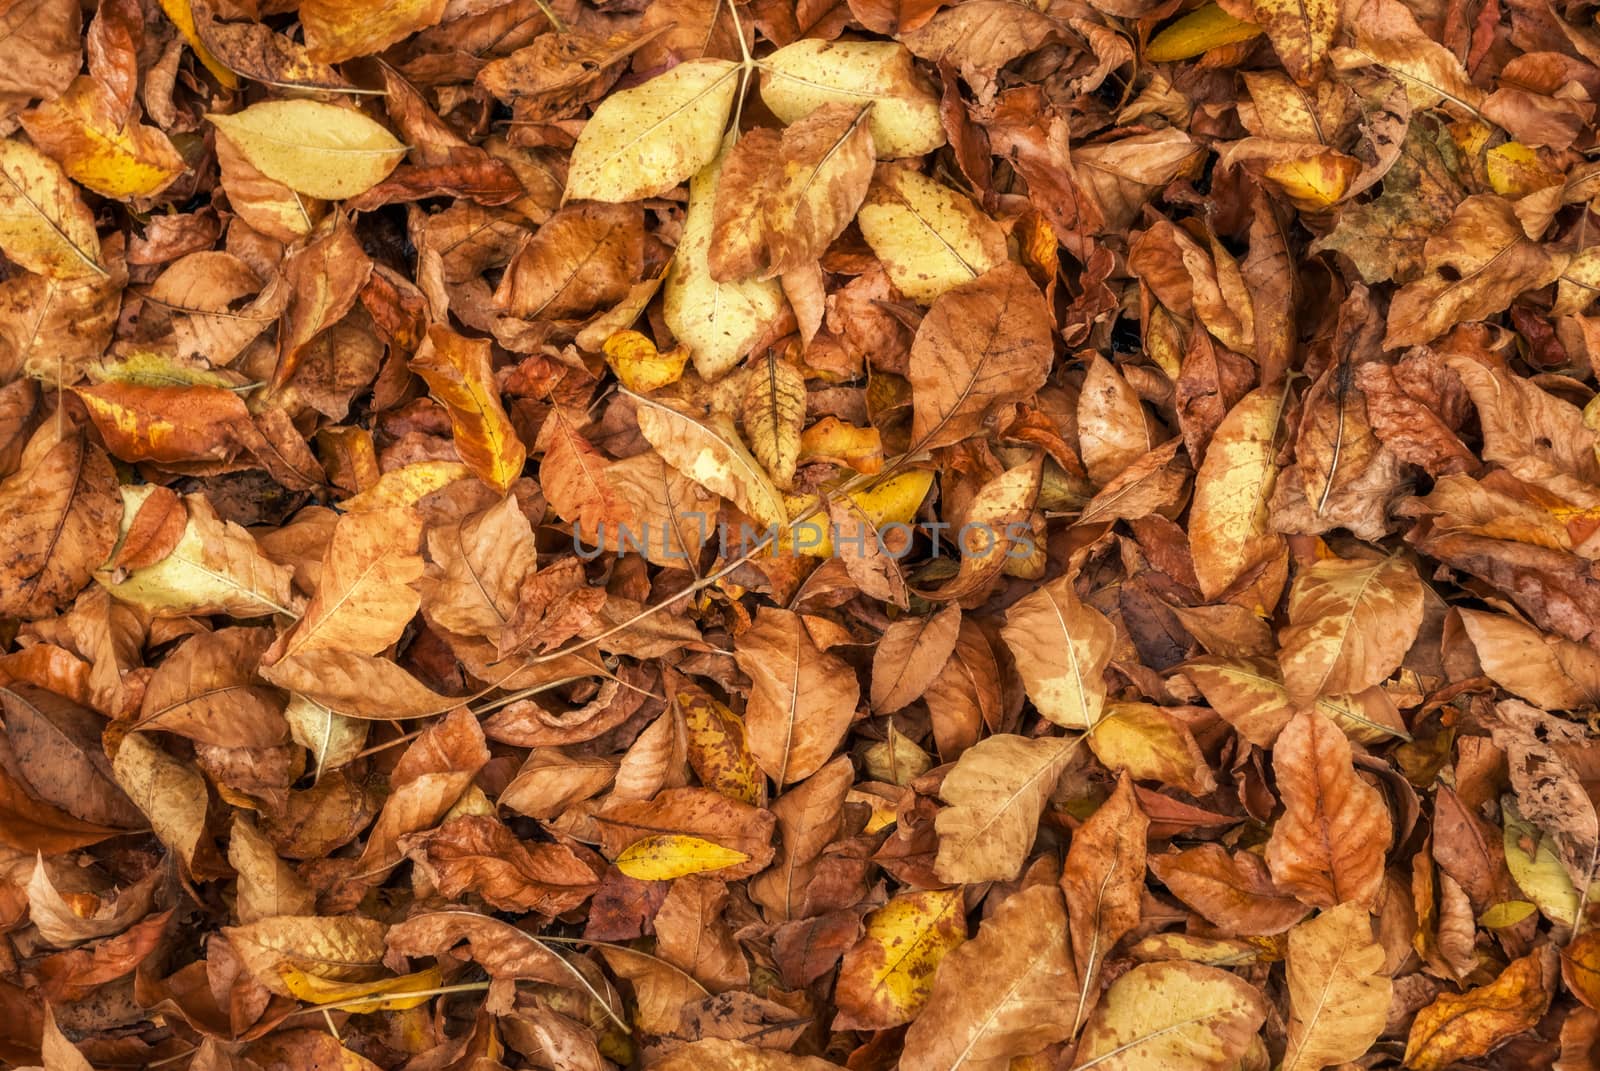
[1338,994]
[149,369]
[215,568]
[717,747]
[929,237]
[320,150]
[1228,523]
[1516,170]
[172,794]
[644,141]
[1152,745]
[44,225]
[1198,32]
[1314,182]
[1537,869]
[887,976]
[894,501]
[406,485]
[1507,914]
[719,322]
[834,441]
[1464,1026]
[117,158]
[774,413]
[459,377]
[799,78]
[397,994]
[1172,1015]
[675,855]
[182,16]
[640,366]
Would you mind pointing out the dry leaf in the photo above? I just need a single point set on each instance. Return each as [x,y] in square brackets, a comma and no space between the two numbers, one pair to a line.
[1330,844]
[1008,992]
[995,795]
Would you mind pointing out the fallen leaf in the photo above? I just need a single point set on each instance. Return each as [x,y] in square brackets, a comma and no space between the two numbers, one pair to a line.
[1329,846]
[1228,530]
[994,797]
[802,698]
[320,150]
[1468,1025]
[799,78]
[1008,992]
[929,237]
[44,225]
[1350,624]
[1103,880]
[458,374]
[1338,995]
[1172,1011]
[644,141]
[981,345]
[1062,649]
[888,975]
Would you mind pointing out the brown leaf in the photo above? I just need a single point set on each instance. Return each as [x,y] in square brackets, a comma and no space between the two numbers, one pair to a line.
[1103,880]
[909,657]
[1008,992]
[585,257]
[802,699]
[57,743]
[995,795]
[1477,264]
[808,818]
[365,595]
[61,506]
[981,345]
[1350,624]
[803,189]
[1330,844]
[1234,892]
[206,690]
[477,854]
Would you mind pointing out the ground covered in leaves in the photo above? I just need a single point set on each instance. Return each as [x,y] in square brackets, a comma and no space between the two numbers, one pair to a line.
[769,536]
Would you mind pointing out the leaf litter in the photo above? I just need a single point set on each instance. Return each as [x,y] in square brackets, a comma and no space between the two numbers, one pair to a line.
[769,536]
